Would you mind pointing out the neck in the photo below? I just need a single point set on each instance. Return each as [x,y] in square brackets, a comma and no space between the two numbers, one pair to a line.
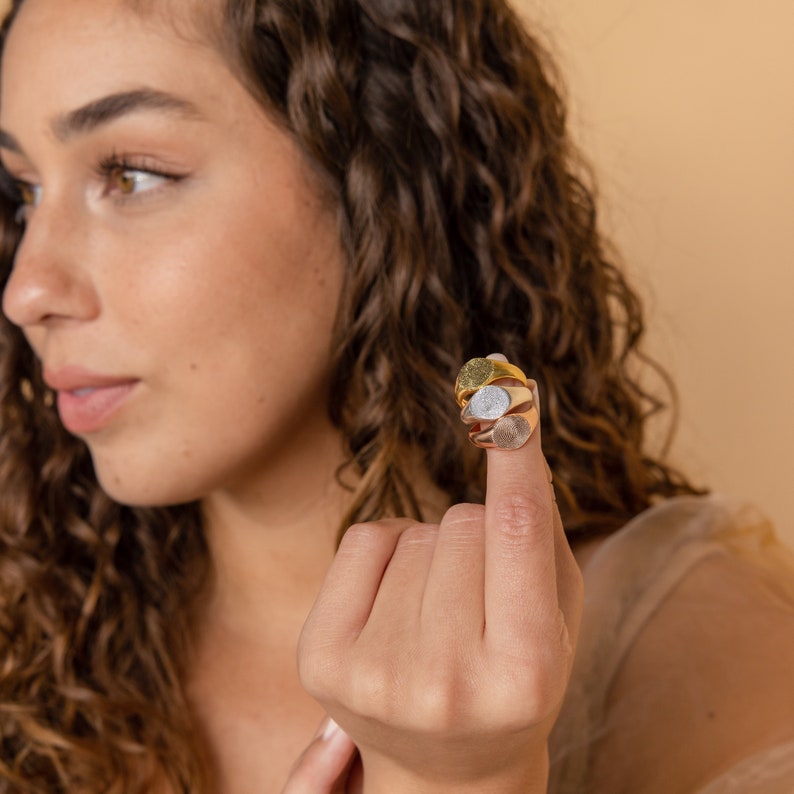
[273,535]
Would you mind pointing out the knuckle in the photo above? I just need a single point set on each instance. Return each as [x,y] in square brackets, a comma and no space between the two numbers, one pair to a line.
[436,707]
[370,536]
[361,534]
[361,541]
[530,677]
[464,513]
[374,690]
[536,694]
[317,669]
[429,701]
[321,663]
[559,648]
[435,703]
[418,535]
[520,515]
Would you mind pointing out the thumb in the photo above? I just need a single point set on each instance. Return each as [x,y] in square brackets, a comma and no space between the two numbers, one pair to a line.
[324,765]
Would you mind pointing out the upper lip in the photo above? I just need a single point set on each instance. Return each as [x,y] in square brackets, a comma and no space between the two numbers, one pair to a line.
[73,378]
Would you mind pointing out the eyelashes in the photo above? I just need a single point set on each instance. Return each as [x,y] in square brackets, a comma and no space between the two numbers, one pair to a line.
[19,194]
[123,178]
[128,176]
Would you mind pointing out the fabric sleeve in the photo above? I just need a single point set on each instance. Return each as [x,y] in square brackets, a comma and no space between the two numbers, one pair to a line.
[628,580]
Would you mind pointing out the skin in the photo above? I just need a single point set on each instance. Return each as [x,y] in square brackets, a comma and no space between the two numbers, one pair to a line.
[205,290]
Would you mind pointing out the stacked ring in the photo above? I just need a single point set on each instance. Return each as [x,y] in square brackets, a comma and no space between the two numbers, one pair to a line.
[501,416]
[479,372]
[509,432]
[492,402]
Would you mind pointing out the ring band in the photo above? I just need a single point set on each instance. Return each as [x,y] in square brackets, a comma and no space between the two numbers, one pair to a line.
[479,372]
[509,432]
[492,402]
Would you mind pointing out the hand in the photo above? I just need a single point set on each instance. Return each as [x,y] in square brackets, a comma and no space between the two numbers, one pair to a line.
[445,650]
[329,765]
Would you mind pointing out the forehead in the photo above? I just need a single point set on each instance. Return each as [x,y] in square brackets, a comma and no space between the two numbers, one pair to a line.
[188,16]
[65,53]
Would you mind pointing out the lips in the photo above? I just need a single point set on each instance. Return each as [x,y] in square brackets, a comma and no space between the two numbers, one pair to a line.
[88,401]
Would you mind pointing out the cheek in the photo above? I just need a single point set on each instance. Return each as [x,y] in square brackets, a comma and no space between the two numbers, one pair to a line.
[212,266]
[231,314]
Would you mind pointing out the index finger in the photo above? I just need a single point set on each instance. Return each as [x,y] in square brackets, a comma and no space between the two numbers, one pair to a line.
[520,571]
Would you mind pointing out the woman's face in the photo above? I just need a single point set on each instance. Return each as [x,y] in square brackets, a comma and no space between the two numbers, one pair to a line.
[180,269]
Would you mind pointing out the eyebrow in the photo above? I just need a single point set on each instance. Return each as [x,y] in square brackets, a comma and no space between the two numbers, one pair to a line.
[106,109]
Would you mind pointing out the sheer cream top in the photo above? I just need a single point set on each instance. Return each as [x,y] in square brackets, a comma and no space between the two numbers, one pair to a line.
[627,580]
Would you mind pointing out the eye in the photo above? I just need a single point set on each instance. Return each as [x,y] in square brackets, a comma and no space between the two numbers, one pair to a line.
[130,181]
[29,196]
[133,176]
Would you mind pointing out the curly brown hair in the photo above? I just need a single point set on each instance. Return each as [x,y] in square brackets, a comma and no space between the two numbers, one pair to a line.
[469,227]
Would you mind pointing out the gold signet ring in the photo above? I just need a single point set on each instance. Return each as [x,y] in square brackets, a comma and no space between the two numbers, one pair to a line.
[492,402]
[479,372]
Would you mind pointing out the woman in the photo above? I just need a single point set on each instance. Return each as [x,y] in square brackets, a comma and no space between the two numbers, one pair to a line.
[247,247]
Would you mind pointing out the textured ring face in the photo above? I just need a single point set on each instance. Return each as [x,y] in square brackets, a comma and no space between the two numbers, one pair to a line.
[479,372]
[511,432]
[489,403]
[474,373]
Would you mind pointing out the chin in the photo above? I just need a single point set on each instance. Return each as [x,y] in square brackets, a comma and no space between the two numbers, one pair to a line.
[133,490]
[131,497]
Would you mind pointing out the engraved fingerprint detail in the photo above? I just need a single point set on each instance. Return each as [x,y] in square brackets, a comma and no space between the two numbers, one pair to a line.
[474,373]
[489,403]
[511,432]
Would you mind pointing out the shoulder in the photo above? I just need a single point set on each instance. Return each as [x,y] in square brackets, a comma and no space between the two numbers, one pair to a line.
[703,679]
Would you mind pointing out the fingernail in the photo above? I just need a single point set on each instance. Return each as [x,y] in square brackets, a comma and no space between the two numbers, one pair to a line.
[533,387]
[497,357]
[335,739]
[331,729]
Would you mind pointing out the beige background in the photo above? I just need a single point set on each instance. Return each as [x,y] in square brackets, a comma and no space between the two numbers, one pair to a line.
[685,107]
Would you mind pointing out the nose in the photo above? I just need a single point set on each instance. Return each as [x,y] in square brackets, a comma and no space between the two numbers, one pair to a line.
[49,280]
